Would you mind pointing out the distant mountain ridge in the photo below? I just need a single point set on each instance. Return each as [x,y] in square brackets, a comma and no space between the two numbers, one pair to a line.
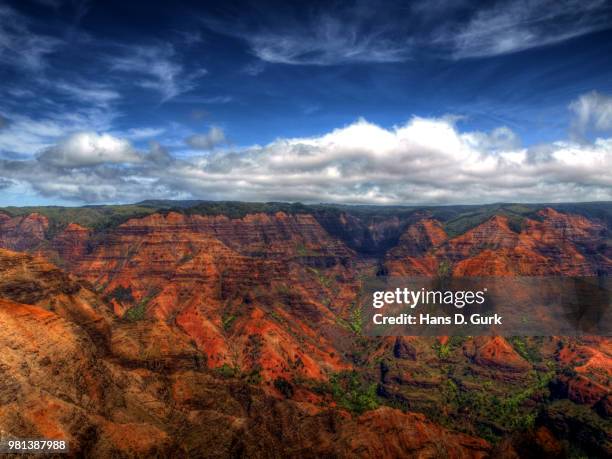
[373,229]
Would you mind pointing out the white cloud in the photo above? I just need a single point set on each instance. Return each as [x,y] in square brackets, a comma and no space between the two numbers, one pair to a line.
[141,133]
[515,25]
[90,93]
[27,135]
[4,183]
[320,39]
[158,68]
[328,41]
[19,45]
[213,138]
[592,111]
[88,149]
[424,161]
[336,34]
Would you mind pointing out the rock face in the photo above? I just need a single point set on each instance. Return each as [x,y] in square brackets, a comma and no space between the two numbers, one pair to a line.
[179,333]
[72,243]
[22,233]
[226,283]
[144,392]
[555,244]
[496,353]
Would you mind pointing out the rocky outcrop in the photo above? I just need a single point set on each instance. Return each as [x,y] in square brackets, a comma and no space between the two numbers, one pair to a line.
[71,244]
[136,399]
[410,256]
[552,244]
[23,232]
[181,325]
[495,353]
[224,282]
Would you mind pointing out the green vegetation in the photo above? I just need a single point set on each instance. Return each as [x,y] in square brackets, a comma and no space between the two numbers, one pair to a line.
[445,268]
[353,393]
[356,322]
[254,377]
[227,371]
[97,218]
[515,213]
[323,279]
[304,251]
[494,412]
[529,350]
[137,312]
[444,351]
[235,209]
[227,321]
[456,219]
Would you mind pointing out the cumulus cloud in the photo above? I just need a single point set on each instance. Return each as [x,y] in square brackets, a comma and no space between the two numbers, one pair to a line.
[424,161]
[87,149]
[27,134]
[592,111]
[213,138]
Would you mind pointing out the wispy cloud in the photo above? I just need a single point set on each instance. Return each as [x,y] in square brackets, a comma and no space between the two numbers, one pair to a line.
[19,45]
[362,34]
[206,100]
[143,133]
[592,111]
[91,93]
[320,38]
[515,25]
[157,67]
[254,68]
[328,41]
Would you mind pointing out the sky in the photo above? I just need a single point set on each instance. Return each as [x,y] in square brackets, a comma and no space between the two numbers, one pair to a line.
[424,102]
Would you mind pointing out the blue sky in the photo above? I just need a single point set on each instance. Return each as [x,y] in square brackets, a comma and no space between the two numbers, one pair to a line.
[257,84]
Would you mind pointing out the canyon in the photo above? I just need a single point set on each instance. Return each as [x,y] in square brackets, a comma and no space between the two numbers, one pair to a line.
[232,329]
